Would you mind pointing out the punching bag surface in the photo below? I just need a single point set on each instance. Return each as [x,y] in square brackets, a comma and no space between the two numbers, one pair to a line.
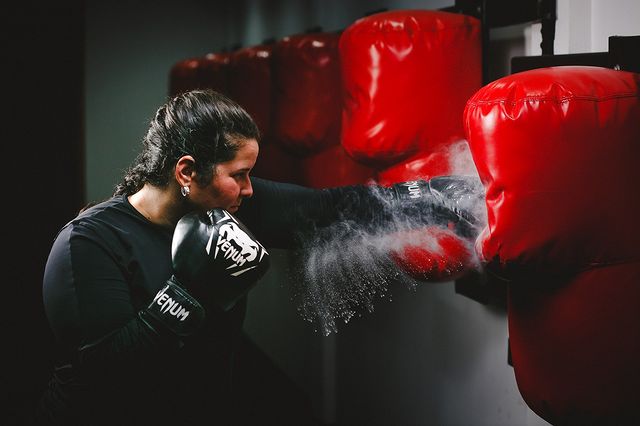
[204,72]
[557,151]
[307,102]
[249,79]
[407,75]
[250,84]
[308,108]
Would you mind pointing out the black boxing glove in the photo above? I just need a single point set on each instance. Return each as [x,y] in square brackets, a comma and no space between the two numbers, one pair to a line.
[443,200]
[455,199]
[175,309]
[217,256]
[217,260]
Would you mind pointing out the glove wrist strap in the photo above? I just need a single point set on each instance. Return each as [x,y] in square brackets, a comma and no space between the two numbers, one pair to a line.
[175,309]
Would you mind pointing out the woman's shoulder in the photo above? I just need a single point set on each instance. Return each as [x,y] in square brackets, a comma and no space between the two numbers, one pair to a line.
[117,203]
[102,217]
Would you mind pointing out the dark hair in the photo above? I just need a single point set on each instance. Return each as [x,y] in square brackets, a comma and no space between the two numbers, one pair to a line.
[202,123]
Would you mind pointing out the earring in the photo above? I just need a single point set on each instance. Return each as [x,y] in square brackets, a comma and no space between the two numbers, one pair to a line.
[185,191]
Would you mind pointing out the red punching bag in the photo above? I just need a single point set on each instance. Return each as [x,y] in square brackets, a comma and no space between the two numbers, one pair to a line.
[205,72]
[557,151]
[407,75]
[307,109]
[250,84]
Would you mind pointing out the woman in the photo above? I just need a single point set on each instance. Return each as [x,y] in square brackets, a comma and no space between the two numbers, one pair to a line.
[110,261]
[107,264]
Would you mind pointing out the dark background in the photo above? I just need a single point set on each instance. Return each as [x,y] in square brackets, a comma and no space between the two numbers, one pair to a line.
[42,157]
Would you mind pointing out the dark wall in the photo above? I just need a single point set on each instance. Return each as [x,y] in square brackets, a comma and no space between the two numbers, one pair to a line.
[42,156]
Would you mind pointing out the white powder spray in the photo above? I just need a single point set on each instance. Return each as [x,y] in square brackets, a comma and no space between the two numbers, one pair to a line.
[343,269]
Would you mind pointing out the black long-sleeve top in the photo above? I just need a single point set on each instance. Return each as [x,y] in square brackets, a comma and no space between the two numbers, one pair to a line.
[104,267]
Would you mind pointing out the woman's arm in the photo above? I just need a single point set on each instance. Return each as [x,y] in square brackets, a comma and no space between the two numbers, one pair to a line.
[91,311]
[278,213]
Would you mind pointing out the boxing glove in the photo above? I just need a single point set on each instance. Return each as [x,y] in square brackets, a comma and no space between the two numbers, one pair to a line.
[215,252]
[173,309]
[216,260]
[453,206]
[446,201]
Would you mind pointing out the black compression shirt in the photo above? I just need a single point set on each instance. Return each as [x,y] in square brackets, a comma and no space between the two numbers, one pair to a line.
[278,212]
[106,265]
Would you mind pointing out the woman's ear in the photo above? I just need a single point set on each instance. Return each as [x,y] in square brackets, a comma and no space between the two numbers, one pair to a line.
[184,170]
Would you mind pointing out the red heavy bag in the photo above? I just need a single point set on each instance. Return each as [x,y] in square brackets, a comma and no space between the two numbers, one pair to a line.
[407,75]
[183,76]
[307,109]
[557,151]
[214,72]
[333,167]
[307,104]
[205,72]
[250,84]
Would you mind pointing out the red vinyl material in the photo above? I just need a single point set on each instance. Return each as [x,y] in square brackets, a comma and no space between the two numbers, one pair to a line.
[453,159]
[206,72]
[183,76]
[307,110]
[307,105]
[250,85]
[433,254]
[557,151]
[407,75]
[274,163]
[333,167]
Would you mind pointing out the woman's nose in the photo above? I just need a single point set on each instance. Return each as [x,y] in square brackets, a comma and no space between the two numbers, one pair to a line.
[246,190]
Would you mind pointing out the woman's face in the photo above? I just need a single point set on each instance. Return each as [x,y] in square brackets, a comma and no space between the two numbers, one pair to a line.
[230,182]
